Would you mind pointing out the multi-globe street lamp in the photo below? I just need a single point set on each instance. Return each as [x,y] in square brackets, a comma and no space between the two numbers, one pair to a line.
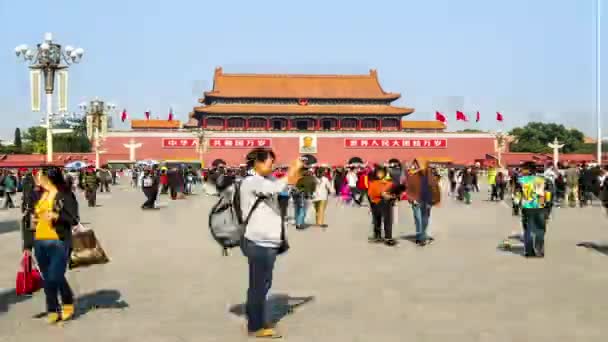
[48,57]
[97,110]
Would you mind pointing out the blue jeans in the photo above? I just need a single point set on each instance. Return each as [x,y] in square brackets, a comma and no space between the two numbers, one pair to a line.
[53,257]
[534,222]
[300,212]
[261,264]
[422,213]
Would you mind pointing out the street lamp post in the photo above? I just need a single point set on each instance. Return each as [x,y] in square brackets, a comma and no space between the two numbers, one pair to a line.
[97,111]
[47,57]
[598,93]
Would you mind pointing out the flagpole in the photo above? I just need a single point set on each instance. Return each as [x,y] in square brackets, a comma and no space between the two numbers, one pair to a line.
[598,81]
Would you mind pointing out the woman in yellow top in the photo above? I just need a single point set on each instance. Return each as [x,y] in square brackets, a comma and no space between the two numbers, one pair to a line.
[56,212]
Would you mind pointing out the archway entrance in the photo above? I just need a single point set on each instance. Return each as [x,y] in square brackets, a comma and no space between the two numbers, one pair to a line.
[302,125]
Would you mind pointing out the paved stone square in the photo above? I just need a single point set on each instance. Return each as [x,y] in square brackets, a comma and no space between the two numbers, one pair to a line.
[167,280]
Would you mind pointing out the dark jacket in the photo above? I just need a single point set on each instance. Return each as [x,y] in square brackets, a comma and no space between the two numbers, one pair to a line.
[90,181]
[66,206]
[28,196]
[414,182]
[155,183]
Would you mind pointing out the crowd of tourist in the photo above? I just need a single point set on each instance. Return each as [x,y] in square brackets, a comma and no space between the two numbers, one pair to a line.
[50,206]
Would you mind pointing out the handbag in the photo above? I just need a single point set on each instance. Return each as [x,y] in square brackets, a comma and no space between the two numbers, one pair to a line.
[29,279]
[86,250]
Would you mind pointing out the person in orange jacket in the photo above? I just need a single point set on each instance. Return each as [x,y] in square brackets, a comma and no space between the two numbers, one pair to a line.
[381,198]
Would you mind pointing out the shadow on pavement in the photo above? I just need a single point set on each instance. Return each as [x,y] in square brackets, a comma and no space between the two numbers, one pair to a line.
[8,298]
[518,237]
[517,250]
[602,248]
[279,306]
[9,226]
[409,237]
[101,299]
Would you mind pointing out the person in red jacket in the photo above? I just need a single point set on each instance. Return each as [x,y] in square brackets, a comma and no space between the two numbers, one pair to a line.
[164,181]
[363,186]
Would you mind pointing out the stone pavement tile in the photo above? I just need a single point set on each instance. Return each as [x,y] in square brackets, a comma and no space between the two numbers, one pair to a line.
[167,280]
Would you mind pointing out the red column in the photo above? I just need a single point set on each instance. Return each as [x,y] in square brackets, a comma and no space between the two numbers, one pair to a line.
[339,124]
[205,122]
[267,124]
[318,123]
[289,124]
[225,124]
[359,124]
[379,124]
[246,123]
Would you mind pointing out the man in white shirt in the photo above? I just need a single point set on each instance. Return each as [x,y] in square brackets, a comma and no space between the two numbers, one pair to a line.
[264,235]
[351,180]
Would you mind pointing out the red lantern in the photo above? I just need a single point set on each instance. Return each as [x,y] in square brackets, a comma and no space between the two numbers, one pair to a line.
[303,102]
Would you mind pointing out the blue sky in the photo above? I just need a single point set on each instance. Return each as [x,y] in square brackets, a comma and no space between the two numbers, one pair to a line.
[531,60]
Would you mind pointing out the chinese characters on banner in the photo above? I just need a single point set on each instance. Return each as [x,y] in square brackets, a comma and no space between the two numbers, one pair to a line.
[395,143]
[180,143]
[239,143]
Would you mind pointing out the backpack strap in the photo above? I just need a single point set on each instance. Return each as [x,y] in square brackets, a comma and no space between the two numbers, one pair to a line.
[257,202]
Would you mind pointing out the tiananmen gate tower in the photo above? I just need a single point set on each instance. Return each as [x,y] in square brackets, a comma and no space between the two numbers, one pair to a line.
[328,118]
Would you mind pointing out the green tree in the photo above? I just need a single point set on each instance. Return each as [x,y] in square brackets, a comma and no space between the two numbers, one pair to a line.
[35,140]
[535,136]
[17,142]
[76,141]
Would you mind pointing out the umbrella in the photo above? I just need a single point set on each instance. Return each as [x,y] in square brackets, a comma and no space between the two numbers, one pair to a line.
[308,159]
[218,162]
[147,163]
[76,165]
[355,160]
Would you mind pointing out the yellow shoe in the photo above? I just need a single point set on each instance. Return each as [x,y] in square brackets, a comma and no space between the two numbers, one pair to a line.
[52,318]
[266,333]
[67,311]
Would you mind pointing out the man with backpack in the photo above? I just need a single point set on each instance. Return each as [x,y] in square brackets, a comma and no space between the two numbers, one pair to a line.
[260,231]
[264,235]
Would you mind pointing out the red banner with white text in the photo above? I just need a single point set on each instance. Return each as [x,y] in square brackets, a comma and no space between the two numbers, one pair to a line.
[239,142]
[395,143]
[180,143]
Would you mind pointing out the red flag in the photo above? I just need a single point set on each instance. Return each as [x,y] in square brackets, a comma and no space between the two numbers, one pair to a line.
[170,114]
[440,117]
[147,113]
[499,117]
[123,116]
[461,117]
[478,117]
